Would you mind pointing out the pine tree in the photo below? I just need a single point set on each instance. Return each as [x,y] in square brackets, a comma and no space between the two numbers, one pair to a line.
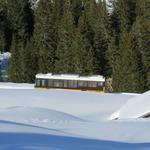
[45,35]
[5,29]
[83,56]
[20,16]
[101,38]
[142,32]
[15,68]
[125,52]
[29,60]
[64,53]
[87,49]
[131,72]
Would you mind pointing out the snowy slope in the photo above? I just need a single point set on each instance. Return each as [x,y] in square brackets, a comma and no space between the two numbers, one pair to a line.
[136,107]
[67,120]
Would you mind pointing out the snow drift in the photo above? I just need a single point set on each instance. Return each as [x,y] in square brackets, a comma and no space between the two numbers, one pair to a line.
[136,107]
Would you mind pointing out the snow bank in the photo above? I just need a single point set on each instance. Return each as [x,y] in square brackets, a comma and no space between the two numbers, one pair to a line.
[138,106]
[9,85]
[95,106]
[35,115]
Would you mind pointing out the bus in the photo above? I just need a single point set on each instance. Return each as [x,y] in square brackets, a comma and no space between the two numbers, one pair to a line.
[95,83]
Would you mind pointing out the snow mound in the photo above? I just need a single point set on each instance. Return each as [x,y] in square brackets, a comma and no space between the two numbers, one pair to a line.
[136,107]
[35,115]
[90,106]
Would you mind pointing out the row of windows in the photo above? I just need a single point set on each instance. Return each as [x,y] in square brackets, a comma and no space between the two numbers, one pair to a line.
[68,83]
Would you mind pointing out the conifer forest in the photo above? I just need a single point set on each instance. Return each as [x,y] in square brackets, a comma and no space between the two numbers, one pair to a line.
[86,37]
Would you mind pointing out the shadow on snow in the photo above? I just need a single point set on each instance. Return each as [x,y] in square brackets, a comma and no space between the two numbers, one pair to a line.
[27,141]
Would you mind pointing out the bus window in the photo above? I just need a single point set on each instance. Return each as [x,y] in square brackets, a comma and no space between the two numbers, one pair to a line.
[72,84]
[58,83]
[65,83]
[92,84]
[50,83]
[38,82]
[100,84]
[61,83]
[43,82]
[82,83]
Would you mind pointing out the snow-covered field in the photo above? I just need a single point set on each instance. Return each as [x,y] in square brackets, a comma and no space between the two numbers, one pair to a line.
[68,120]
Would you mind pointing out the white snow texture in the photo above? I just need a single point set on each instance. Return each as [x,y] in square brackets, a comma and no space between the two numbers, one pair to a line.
[71,120]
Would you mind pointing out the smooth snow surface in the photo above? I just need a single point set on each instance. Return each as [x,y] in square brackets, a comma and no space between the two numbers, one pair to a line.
[67,120]
[8,85]
[138,106]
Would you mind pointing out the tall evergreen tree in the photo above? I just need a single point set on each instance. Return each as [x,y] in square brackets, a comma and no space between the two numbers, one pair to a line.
[86,34]
[141,29]
[101,38]
[45,35]
[64,53]
[15,68]
[126,55]
[5,28]
[30,65]
[131,72]
[82,55]
[20,16]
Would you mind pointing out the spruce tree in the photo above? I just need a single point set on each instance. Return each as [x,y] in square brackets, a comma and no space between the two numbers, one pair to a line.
[5,27]
[29,60]
[141,29]
[131,72]
[125,52]
[20,16]
[64,53]
[83,56]
[15,68]
[87,49]
[101,38]
[45,35]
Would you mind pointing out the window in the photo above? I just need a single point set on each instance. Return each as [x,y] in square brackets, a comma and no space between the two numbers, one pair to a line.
[82,83]
[92,84]
[65,83]
[58,83]
[72,84]
[50,83]
[100,84]
[38,82]
[43,82]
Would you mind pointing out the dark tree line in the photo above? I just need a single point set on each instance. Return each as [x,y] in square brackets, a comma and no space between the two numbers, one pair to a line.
[84,37]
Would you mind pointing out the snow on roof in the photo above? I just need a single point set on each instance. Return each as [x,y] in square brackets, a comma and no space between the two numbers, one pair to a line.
[70,77]
[136,107]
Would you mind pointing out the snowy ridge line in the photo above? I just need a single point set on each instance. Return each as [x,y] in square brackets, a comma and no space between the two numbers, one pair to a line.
[136,94]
